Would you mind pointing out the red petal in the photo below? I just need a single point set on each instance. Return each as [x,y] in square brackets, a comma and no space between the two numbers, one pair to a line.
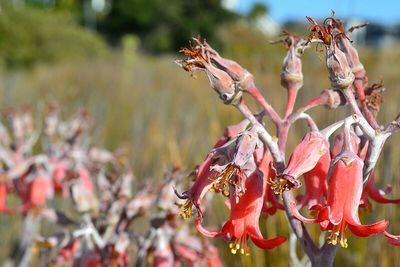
[295,213]
[306,155]
[260,242]
[370,229]
[377,194]
[393,239]
[204,231]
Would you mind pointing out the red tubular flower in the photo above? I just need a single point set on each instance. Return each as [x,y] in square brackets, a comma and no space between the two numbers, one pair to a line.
[244,220]
[345,189]
[303,159]
[197,191]
[271,204]
[339,141]
[316,187]
[226,166]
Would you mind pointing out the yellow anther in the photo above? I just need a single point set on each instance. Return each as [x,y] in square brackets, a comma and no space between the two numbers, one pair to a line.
[231,245]
[278,186]
[221,183]
[186,210]
[343,242]
[233,251]
[242,251]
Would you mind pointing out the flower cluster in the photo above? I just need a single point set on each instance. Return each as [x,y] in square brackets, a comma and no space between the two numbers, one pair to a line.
[247,165]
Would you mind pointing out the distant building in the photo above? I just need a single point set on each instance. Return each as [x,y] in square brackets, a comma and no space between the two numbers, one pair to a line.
[374,34]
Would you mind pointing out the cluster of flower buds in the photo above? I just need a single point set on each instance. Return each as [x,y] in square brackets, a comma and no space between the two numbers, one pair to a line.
[247,165]
[226,76]
[100,226]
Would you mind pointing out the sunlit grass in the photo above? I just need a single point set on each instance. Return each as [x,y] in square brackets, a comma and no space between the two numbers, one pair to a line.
[164,117]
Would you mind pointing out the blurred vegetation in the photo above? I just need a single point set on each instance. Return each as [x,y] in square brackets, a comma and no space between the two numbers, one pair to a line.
[165,25]
[30,35]
[165,117]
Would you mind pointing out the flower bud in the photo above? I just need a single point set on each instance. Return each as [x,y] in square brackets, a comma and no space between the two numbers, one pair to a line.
[231,67]
[291,75]
[332,99]
[340,73]
[351,54]
[221,82]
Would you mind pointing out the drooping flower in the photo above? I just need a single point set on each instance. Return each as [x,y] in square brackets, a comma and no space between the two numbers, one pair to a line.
[271,203]
[339,143]
[303,159]
[316,187]
[344,194]
[244,220]
[226,166]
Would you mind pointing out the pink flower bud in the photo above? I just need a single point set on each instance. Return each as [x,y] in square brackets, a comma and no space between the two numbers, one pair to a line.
[340,73]
[351,54]
[292,75]
[304,157]
[221,82]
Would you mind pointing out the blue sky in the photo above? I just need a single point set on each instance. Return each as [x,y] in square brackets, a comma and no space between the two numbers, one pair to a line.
[384,11]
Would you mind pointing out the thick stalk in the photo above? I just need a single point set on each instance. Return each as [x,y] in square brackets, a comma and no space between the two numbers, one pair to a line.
[269,110]
[291,99]
[359,86]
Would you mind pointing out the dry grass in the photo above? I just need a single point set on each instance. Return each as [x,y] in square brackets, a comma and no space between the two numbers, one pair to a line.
[164,117]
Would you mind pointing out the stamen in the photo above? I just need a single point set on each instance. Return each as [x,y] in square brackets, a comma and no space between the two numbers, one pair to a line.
[338,232]
[240,245]
[185,210]
[343,242]
[279,186]
[221,184]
